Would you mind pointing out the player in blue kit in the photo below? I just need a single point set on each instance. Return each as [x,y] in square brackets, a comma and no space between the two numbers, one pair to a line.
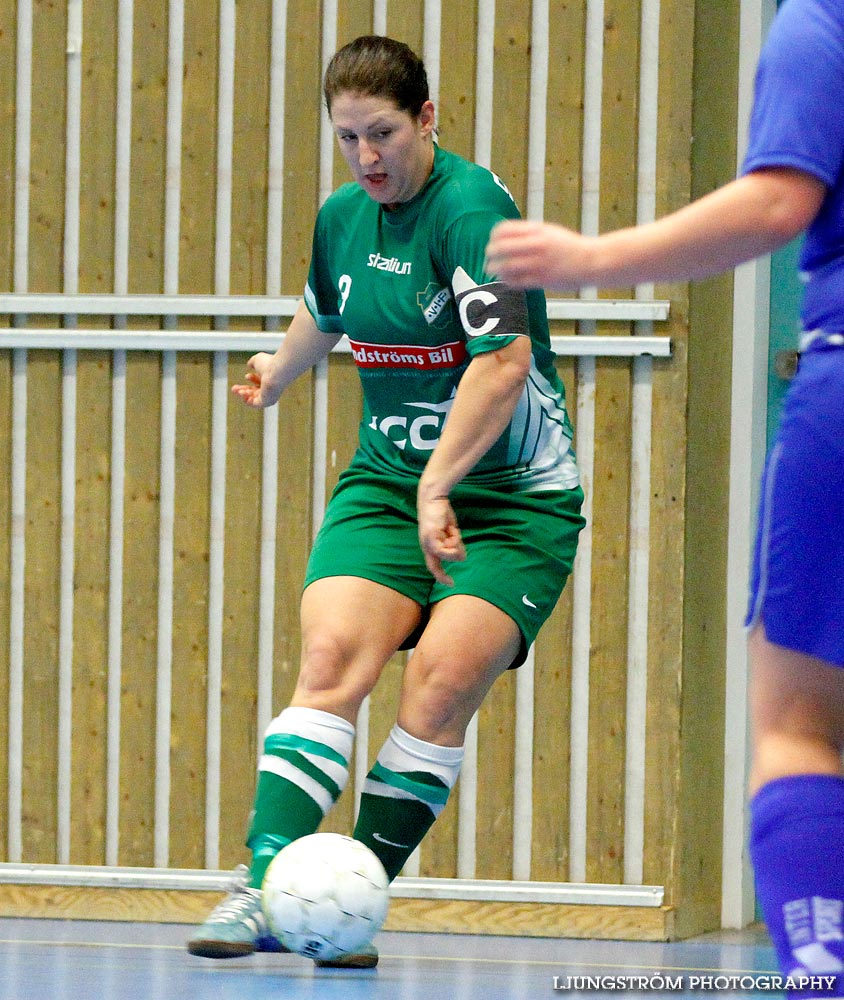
[792,180]
[454,528]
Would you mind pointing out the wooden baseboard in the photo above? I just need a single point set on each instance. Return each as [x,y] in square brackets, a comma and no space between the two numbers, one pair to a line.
[631,923]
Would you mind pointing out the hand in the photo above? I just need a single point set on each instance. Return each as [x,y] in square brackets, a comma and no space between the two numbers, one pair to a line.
[537,255]
[439,536]
[263,386]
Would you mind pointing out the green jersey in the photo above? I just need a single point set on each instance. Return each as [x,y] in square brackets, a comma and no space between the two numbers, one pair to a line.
[409,289]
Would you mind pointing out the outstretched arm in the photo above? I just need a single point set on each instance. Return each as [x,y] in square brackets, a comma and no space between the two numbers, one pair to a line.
[269,375]
[749,217]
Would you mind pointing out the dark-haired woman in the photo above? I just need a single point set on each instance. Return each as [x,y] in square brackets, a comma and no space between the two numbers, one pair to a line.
[454,528]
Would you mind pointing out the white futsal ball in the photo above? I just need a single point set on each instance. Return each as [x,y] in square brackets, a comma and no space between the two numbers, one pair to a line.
[325,895]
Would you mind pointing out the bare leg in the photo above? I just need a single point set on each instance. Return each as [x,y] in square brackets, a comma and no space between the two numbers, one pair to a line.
[797,711]
[350,628]
[466,645]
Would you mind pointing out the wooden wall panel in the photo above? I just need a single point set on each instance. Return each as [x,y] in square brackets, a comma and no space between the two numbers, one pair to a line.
[251,149]
[406,21]
[455,115]
[46,191]
[665,639]
[191,554]
[303,104]
[198,162]
[97,154]
[8,88]
[95,273]
[670,758]
[497,716]
[8,82]
[5,581]
[344,410]
[354,18]
[552,726]
[148,148]
[89,731]
[567,26]
[294,531]
[141,514]
[41,608]
[708,443]
[611,487]
[240,621]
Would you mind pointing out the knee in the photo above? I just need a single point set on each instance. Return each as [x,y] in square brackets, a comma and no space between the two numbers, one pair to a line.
[438,702]
[329,669]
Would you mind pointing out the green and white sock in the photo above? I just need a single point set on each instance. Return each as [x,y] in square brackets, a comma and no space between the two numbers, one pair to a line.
[404,793]
[301,773]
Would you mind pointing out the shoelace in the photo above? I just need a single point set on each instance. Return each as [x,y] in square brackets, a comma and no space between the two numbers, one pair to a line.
[241,900]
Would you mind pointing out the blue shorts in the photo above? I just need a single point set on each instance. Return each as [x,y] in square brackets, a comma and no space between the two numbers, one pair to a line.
[797,582]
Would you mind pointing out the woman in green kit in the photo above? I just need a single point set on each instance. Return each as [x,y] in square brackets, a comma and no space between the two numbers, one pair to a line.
[454,528]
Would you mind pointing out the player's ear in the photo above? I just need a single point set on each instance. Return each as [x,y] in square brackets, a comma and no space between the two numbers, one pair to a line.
[427,118]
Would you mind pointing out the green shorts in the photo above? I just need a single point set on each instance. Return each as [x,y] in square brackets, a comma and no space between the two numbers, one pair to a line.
[519,546]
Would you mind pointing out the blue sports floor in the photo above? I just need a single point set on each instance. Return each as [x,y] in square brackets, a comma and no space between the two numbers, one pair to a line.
[90,960]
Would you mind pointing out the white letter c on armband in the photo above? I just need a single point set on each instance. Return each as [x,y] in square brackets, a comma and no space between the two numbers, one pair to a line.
[487,298]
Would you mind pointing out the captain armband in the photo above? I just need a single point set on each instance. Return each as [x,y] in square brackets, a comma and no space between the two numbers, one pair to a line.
[491,308]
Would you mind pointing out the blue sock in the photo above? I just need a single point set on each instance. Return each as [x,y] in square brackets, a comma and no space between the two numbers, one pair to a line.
[797,849]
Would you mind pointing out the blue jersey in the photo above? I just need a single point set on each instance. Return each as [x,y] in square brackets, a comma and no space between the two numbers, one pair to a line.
[798,121]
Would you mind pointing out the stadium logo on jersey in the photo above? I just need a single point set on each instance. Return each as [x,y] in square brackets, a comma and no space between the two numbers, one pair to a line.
[491,308]
[432,302]
[391,264]
[415,356]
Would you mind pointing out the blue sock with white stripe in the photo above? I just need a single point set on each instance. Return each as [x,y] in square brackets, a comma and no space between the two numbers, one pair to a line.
[301,773]
[404,793]
[797,849]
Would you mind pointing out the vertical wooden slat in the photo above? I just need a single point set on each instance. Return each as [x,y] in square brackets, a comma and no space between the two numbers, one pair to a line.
[295,469]
[8,13]
[41,614]
[140,626]
[8,17]
[457,82]
[149,97]
[708,486]
[552,721]
[196,257]
[301,174]
[405,21]
[667,473]
[344,410]
[240,615]
[5,589]
[354,18]
[245,441]
[89,733]
[190,611]
[195,264]
[439,851]
[497,717]
[293,541]
[41,608]
[49,29]
[612,471]
[90,626]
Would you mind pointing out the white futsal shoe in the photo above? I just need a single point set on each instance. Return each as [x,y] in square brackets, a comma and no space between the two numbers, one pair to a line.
[238,927]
